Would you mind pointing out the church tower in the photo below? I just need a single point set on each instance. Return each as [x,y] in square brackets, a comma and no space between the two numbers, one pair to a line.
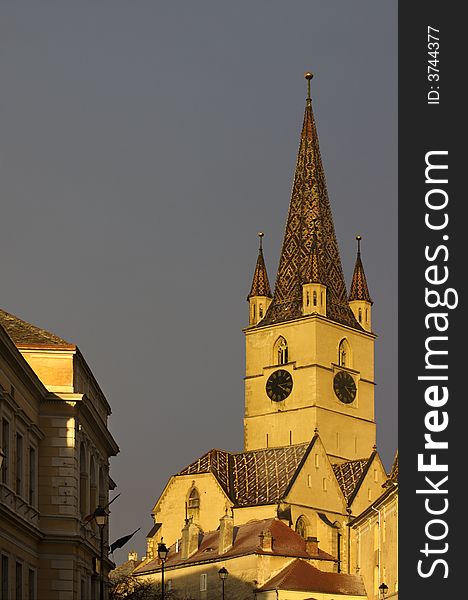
[310,358]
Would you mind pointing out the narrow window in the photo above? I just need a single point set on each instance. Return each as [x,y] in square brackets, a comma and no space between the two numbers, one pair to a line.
[267,440]
[369,494]
[6,451]
[324,484]
[282,355]
[314,296]
[309,481]
[83,481]
[260,311]
[31,585]
[367,315]
[307,298]
[32,476]
[321,298]
[203,582]
[316,461]
[92,486]
[19,582]
[5,580]
[254,313]
[290,438]
[360,315]
[376,476]
[19,464]
[193,505]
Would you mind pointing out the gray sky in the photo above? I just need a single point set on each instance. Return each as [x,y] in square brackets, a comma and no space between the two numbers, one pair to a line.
[143,146]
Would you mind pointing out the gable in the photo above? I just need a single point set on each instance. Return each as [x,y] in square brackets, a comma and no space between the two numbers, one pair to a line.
[370,485]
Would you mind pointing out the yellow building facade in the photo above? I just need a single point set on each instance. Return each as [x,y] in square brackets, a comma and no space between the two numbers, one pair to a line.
[309,456]
[56,448]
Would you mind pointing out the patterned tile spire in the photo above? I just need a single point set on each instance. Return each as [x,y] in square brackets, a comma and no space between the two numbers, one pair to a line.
[359,290]
[260,283]
[309,238]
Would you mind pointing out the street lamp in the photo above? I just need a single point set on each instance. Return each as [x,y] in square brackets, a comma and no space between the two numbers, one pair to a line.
[223,575]
[383,588]
[100,517]
[162,555]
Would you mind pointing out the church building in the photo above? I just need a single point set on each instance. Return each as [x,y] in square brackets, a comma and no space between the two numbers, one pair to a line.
[309,464]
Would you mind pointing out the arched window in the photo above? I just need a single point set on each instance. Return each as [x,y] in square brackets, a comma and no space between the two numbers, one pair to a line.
[344,354]
[193,504]
[360,315]
[281,351]
[260,311]
[307,298]
[301,526]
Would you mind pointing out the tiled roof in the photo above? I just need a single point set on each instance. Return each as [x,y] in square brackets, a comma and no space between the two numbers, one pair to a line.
[260,283]
[309,219]
[359,290]
[350,475]
[254,477]
[286,542]
[24,334]
[302,576]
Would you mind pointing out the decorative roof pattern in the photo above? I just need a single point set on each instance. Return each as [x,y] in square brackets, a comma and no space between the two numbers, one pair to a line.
[260,283]
[359,290]
[24,334]
[302,576]
[254,477]
[214,461]
[349,475]
[309,218]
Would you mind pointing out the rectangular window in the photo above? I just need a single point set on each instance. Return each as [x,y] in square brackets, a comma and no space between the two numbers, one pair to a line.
[31,585]
[324,484]
[32,476]
[6,451]
[19,464]
[5,581]
[316,461]
[203,582]
[19,582]
[309,481]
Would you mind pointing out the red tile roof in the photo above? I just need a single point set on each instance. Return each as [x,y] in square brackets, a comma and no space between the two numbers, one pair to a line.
[286,542]
[302,576]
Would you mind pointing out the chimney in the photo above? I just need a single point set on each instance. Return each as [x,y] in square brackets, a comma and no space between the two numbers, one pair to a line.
[226,533]
[312,546]
[266,541]
[189,543]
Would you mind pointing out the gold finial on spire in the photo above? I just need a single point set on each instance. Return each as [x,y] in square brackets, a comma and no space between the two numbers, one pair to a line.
[308,75]
[359,238]
[260,235]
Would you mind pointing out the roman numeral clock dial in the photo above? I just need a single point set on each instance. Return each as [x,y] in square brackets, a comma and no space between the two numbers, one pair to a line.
[344,387]
[279,385]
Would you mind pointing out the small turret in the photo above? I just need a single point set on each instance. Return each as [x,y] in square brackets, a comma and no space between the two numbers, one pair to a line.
[359,299]
[260,295]
[314,291]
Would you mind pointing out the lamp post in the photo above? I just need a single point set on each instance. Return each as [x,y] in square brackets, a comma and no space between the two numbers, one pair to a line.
[162,555]
[100,516]
[223,575]
[383,589]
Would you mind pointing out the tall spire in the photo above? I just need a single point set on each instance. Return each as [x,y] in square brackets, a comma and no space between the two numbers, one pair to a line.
[309,231]
[260,283]
[359,290]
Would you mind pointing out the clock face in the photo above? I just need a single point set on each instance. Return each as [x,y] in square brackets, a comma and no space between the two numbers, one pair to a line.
[279,385]
[344,387]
